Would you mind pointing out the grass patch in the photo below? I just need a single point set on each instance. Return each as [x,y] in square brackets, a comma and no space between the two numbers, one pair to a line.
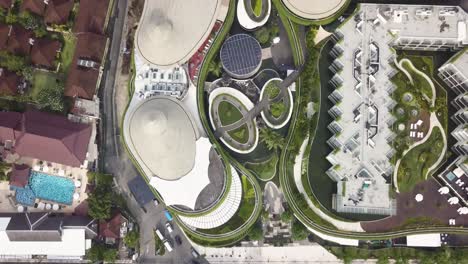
[415,164]
[43,80]
[256,7]
[228,113]
[68,49]
[240,134]
[419,81]
[272,89]
[266,170]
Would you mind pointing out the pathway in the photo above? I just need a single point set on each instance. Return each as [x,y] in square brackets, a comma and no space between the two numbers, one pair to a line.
[434,122]
[420,73]
[342,225]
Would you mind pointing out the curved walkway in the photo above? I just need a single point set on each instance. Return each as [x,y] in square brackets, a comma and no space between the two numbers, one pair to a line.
[347,226]
[420,73]
[247,18]
[434,123]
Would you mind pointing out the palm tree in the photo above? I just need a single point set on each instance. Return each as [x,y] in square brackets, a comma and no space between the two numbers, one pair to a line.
[272,140]
[215,67]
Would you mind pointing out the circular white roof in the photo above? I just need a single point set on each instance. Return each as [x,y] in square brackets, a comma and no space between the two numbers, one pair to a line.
[171,31]
[163,136]
[314,9]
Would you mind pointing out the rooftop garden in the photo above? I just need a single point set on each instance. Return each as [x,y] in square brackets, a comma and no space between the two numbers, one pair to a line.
[257,7]
[265,170]
[272,89]
[240,134]
[228,113]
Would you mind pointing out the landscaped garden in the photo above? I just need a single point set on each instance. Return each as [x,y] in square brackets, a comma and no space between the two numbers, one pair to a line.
[272,89]
[228,113]
[415,164]
[257,7]
[241,134]
[265,170]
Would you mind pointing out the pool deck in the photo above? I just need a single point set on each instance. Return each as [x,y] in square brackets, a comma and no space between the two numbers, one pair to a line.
[7,204]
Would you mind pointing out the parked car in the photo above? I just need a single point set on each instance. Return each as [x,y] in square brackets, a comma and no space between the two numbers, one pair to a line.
[195,254]
[159,234]
[169,227]
[168,245]
[168,215]
[178,240]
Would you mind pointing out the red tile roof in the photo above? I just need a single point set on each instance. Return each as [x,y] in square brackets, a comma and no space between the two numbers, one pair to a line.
[91,16]
[82,81]
[47,137]
[4,30]
[34,6]
[6,4]
[111,227]
[18,42]
[58,11]
[19,176]
[10,123]
[44,52]
[9,82]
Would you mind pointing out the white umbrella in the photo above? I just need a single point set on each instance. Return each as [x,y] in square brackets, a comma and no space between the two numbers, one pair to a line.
[41,205]
[46,168]
[55,207]
[419,197]
[77,184]
[444,190]
[20,209]
[48,206]
[76,196]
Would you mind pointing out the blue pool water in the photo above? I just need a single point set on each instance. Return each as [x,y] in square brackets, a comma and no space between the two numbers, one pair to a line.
[46,187]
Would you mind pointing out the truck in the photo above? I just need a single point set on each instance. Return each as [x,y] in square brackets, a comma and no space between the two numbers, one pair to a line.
[169,227]
[168,215]
[159,234]
[168,245]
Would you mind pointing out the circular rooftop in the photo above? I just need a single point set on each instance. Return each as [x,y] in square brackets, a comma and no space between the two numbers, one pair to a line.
[314,9]
[241,56]
[163,136]
[171,31]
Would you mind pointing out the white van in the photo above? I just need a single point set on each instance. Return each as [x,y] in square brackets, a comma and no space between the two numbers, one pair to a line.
[168,245]
[169,227]
[159,234]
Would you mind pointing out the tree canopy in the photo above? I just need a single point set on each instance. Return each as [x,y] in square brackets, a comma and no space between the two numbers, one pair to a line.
[272,139]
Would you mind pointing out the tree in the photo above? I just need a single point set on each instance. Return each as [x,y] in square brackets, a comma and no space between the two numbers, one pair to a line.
[277,109]
[299,231]
[4,168]
[12,62]
[256,233]
[262,35]
[100,203]
[11,18]
[131,239]
[109,255]
[286,216]
[272,139]
[215,67]
[99,252]
[27,73]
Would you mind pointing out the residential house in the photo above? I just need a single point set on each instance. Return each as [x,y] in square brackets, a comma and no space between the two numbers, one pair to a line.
[58,11]
[33,6]
[86,69]
[44,53]
[4,32]
[113,229]
[92,16]
[20,40]
[6,4]
[9,82]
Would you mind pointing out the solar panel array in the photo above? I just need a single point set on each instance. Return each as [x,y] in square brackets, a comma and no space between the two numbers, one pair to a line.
[241,54]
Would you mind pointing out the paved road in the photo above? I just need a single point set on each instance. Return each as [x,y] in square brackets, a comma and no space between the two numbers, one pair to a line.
[114,159]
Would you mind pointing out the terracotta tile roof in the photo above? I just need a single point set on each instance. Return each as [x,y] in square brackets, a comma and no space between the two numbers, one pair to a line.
[91,16]
[58,11]
[18,42]
[47,137]
[10,122]
[82,81]
[9,82]
[44,52]
[111,228]
[6,4]
[19,176]
[4,30]
[34,6]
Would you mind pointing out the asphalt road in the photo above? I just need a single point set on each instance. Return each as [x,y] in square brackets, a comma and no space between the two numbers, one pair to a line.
[114,159]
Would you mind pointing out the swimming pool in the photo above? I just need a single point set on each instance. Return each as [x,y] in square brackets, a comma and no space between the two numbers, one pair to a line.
[52,188]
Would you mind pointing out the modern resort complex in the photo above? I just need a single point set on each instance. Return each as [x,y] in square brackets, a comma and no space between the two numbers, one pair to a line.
[240,131]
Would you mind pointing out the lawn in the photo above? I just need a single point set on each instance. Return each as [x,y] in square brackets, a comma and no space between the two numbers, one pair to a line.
[256,7]
[272,89]
[266,170]
[228,113]
[415,164]
[240,134]
[277,109]
[68,49]
[245,210]
[43,80]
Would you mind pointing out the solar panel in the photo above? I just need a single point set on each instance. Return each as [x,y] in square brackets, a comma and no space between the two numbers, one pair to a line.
[241,55]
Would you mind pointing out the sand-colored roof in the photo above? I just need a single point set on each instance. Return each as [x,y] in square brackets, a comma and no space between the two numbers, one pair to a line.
[171,31]
[163,135]
[314,9]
